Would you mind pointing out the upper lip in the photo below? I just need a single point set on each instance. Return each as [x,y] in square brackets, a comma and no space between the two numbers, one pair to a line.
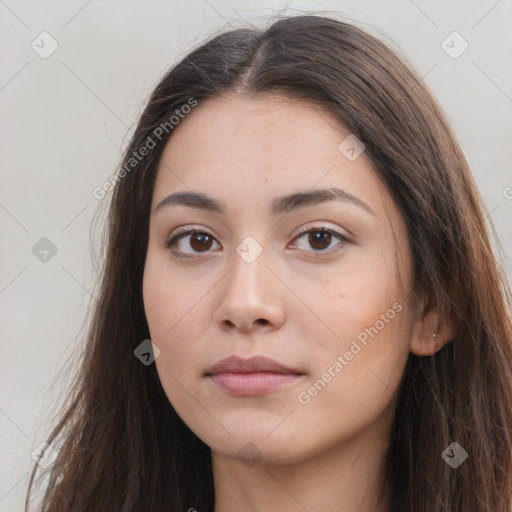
[235,364]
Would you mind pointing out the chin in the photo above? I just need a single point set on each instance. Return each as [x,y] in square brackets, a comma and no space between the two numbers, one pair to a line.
[255,448]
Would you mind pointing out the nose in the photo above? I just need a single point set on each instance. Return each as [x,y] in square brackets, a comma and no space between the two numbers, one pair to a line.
[251,296]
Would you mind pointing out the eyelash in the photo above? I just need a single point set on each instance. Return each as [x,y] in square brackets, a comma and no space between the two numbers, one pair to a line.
[183,232]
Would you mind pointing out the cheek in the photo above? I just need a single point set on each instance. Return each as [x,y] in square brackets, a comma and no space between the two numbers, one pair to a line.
[352,300]
[361,355]
[172,299]
[172,331]
[356,375]
[177,320]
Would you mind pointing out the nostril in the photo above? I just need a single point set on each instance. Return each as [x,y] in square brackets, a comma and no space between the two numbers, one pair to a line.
[230,324]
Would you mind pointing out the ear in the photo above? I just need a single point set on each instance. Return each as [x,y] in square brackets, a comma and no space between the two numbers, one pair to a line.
[430,332]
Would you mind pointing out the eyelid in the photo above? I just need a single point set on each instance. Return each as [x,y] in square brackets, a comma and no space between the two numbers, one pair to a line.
[311,226]
[189,228]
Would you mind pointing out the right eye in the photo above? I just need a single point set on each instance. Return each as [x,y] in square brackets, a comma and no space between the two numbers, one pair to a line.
[190,241]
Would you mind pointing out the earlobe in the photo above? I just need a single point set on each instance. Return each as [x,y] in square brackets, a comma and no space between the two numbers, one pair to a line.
[429,335]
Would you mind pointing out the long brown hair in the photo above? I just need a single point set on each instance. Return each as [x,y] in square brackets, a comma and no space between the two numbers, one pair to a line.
[125,449]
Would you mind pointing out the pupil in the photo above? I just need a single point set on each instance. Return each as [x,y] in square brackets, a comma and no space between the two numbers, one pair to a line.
[200,241]
[320,237]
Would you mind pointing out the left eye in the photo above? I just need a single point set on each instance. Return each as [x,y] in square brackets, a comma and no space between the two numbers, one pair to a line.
[321,239]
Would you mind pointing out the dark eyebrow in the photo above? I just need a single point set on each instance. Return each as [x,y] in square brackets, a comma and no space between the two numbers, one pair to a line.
[281,204]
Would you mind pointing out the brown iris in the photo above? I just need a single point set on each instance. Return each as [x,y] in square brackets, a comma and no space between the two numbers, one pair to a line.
[318,239]
[200,241]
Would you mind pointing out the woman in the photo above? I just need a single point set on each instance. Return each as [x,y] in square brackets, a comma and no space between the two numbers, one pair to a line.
[295,228]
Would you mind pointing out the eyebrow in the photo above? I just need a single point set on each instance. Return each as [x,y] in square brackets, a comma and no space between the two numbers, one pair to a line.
[282,204]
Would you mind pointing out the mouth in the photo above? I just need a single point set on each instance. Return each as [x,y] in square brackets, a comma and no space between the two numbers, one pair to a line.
[248,377]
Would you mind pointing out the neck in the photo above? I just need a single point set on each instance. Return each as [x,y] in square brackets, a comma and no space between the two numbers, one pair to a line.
[346,478]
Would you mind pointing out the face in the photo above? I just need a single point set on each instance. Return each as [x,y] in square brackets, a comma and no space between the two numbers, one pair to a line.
[276,269]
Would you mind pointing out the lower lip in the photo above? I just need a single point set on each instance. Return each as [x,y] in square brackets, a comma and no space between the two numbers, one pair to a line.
[255,383]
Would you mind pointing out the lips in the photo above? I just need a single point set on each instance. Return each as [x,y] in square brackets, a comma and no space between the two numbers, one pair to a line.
[254,376]
[254,364]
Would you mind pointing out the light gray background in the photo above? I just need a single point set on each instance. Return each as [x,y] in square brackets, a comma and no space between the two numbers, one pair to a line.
[65,119]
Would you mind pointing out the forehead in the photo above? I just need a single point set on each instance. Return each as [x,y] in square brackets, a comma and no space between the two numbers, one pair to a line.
[260,129]
[240,147]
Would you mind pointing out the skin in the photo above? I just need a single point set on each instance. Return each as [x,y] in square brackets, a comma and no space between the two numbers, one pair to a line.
[300,306]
